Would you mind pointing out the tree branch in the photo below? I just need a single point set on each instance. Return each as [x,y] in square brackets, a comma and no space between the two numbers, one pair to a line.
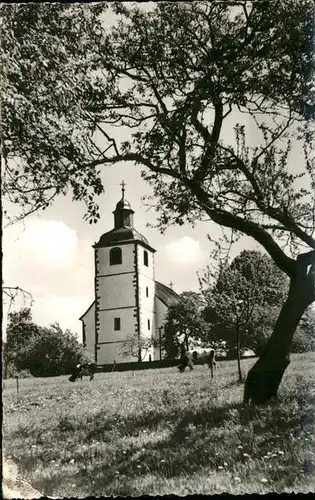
[284,218]
[137,158]
[250,228]
[211,139]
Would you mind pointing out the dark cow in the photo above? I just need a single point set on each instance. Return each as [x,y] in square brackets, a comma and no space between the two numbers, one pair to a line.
[185,360]
[195,358]
[81,370]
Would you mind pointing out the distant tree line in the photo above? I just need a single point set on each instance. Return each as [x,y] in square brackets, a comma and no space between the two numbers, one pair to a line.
[39,351]
[235,310]
[237,307]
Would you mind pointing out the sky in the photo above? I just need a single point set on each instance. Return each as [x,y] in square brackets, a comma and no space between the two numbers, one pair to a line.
[50,253]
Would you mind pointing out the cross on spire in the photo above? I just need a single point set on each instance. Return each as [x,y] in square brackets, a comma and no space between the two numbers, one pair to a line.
[123,188]
[171,285]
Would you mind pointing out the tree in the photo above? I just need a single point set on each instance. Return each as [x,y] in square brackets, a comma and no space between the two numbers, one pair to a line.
[20,331]
[173,78]
[184,323]
[244,302]
[54,352]
[40,350]
[137,346]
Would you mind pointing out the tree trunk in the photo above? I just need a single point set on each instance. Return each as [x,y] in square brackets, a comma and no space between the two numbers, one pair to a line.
[139,352]
[265,376]
[186,342]
[238,352]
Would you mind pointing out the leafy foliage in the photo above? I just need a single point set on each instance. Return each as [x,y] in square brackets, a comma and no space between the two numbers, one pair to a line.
[304,338]
[43,351]
[164,76]
[137,346]
[46,130]
[184,322]
[245,298]
[20,331]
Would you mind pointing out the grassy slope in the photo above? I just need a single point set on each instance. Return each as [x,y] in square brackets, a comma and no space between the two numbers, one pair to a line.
[161,432]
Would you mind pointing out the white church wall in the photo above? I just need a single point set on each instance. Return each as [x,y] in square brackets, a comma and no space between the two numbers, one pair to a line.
[116,291]
[146,305]
[102,260]
[116,294]
[107,333]
[108,353]
[146,356]
[90,349]
[88,321]
[142,268]
[146,292]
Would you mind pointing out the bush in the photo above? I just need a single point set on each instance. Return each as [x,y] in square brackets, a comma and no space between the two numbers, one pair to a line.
[304,338]
[11,371]
[302,342]
[54,353]
[40,351]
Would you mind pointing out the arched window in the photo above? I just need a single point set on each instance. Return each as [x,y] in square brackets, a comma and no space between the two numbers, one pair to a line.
[145,258]
[115,256]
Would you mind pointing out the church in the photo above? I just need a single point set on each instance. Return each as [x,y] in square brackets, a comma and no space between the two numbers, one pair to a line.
[128,301]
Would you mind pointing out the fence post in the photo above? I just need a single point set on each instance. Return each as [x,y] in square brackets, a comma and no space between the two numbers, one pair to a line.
[160,342]
[17,383]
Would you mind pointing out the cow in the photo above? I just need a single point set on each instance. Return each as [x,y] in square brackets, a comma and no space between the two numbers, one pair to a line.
[195,358]
[186,360]
[81,370]
[205,357]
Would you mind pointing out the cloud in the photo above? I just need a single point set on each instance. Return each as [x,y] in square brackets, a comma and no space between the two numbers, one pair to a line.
[65,310]
[47,242]
[47,259]
[39,254]
[185,250]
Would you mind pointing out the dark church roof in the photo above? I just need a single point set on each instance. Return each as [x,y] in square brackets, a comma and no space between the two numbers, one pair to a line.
[119,235]
[123,231]
[124,204]
[166,294]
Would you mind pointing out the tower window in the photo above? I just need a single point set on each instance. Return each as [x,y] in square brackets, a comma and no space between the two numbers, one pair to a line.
[115,256]
[145,258]
[149,325]
[116,324]
[147,291]
[128,220]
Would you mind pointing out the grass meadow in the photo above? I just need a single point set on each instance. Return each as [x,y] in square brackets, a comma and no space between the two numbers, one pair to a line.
[159,432]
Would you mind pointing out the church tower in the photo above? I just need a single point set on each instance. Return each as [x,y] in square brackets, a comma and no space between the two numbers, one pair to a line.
[124,287]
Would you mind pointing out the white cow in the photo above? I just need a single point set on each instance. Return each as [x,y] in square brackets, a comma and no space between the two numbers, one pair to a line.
[198,358]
